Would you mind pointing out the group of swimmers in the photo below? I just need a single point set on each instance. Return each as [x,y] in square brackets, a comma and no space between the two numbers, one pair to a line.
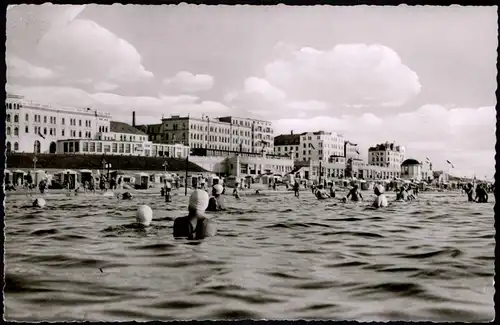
[481,193]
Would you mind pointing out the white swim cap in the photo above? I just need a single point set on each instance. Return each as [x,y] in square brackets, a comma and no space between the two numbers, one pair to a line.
[144,215]
[379,188]
[198,200]
[39,202]
[218,188]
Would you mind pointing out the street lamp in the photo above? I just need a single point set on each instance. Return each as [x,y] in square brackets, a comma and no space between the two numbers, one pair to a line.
[34,162]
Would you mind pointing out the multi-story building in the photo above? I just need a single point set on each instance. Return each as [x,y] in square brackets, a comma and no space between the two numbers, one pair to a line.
[386,155]
[122,139]
[316,146]
[287,145]
[33,127]
[224,133]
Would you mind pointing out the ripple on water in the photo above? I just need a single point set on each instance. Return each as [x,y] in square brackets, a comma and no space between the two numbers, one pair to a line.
[275,257]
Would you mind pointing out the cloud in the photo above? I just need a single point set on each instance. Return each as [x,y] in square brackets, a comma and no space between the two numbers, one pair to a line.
[121,107]
[185,81]
[18,68]
[347,74]
[431,131]
[84,50]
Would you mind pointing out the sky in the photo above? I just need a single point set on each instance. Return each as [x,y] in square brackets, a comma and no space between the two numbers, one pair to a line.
[422,76]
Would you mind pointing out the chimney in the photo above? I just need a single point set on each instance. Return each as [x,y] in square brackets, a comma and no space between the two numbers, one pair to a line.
[291,132]
[133,118]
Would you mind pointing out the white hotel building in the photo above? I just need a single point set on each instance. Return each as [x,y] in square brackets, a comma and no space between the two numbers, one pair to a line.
[36,128]
[316,146]
[221,133]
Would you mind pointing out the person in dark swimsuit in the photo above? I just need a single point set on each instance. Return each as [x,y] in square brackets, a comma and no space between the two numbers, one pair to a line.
[216,203]
[481,195]
[296,188]
[469,190]
[355,194]
[195,226]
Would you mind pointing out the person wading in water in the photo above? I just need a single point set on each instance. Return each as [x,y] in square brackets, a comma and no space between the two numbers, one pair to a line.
[355,194]
[216,203]
[195,226]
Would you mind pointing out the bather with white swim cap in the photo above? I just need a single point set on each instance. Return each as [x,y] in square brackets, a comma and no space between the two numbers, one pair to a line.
[381,199]
[195,225]
[144,215]
[217,202]
[39,202]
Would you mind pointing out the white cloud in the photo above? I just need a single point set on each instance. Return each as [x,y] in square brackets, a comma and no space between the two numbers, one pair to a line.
[185,81]
[262,87]
[104,86]
[353,74]
[81,49]
[465,136]
[20,69]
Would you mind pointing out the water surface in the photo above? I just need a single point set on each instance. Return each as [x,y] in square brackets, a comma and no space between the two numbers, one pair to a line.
[275,257]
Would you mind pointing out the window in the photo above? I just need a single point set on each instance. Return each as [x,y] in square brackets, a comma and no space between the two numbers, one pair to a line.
[16,131]
[85,147]
[16,146]
[8,130]
[71,147]
[127,148]
[99,146]
[107,148]
[62,132]
[77,146]
[26,129]
[80,133]
[27,117]
[45,119]
[7,118]
[44,130]
[62,121]
[65,147]
[79,122]
[50,131]
[114,147]
[121,148]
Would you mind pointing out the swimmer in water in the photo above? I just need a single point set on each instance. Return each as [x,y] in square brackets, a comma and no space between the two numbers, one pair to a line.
[236,193]
[195,225]
[216,203]
[127,196]
[355,194]
[402,195]
[321,193]
[332,190]
[381,200]
[481,195]
[469,190]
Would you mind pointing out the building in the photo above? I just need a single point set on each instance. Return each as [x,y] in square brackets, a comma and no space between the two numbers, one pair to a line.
[316,146]
[411,169]
[121,139]
[287,145]
[240,164]
[387,155]
[33,127]
[224,133]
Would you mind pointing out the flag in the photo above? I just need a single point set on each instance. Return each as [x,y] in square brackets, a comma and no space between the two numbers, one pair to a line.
[450,164]
[357,151]
[427,160]
[40,134]
[311,146]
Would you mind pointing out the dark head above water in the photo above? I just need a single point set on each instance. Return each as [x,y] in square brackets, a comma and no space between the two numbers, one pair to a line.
[126,196]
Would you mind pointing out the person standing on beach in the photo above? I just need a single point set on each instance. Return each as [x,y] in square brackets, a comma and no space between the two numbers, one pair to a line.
[195,225]
[168,191]
[296,188]
[217,202]
[236,193]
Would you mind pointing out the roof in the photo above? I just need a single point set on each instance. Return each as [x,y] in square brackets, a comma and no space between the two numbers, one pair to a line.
[287,139]
[385,146]
[410,162]
[120,127]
